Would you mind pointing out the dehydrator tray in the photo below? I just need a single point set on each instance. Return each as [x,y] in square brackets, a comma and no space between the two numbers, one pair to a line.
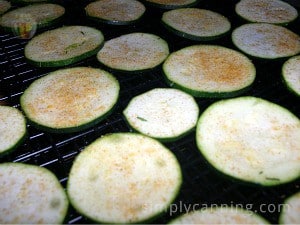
[202,185]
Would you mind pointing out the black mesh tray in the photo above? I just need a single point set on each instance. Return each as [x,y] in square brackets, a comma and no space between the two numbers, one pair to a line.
[202,186]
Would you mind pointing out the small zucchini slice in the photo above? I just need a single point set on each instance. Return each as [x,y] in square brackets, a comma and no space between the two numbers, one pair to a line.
[209,71]
[116,12]
[163,113]
[69,100]
[220,215]
[291,74]
[196,24]
[31,195]
[63,46]
[124,178]
[290,213]
[134,52]
[12,129]
[4,6]
[266,11]
[266,41]
[171,4]
[251,139]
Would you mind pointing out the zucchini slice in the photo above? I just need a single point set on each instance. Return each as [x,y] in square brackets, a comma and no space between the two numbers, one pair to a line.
[220,215]
[171,4]
[4,6]
[63,46]
[163,113]
[134,52]
[196,24]
[36,15]
[31,195]
[12,129]
[290,213]
[266,41]
[291,74]
[69,100]
[251,139]
[116,12]
[209,71]
[124,178]
[266,11]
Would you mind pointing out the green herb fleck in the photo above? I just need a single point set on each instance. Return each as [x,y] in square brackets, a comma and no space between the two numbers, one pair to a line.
[141,118]
[272,178]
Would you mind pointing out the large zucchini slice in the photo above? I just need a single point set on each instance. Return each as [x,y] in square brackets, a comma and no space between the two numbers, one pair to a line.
[209,71]
[290,213]
[116,12]
[4,6]
[266,41]
[266,11]
[63,46]
[251,139]
[69,100]
[12,129]
[163,113]
[220,215]
[124,178]
[291,74]
[171,4]
[30,195]
[196,24]
[134,52]
[32,16]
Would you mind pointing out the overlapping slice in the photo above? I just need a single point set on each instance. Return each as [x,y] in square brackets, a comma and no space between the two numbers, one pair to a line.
[70,100]
[267,41]
[291,74]
[172,4]
[209,71]
[124,178]
[63,46]
[116,12]
[4,6]
[251,139]
[134,52]
[30,195]
[196,24]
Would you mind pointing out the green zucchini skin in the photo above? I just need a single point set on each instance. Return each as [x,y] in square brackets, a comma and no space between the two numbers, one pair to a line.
[170,6]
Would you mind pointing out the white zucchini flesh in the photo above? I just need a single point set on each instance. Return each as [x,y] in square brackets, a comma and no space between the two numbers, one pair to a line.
[134,52]
[209,70]
[4,6]
[251,139]
[220,215]
[69,99]
[291,74]
[30,194]
[196,23]
[116,11]
[267,41]
[40,14]
[169,4]
[12,128]
[162,113]
[290,213]
[64,45]
[266,11]
[124,178]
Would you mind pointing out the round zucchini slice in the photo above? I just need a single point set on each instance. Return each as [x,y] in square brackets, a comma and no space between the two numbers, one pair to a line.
[196,24]
[209,71]
[251,139]
[116,12]
[69,100]
[163,113]
[63,46]
[171,4]
[31,195]
[4,6]
[290,213]
[291,74]
[124,178]
[266,11]
[12,129]
[134,52]
[266,41]
[220,215]
[36,15]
